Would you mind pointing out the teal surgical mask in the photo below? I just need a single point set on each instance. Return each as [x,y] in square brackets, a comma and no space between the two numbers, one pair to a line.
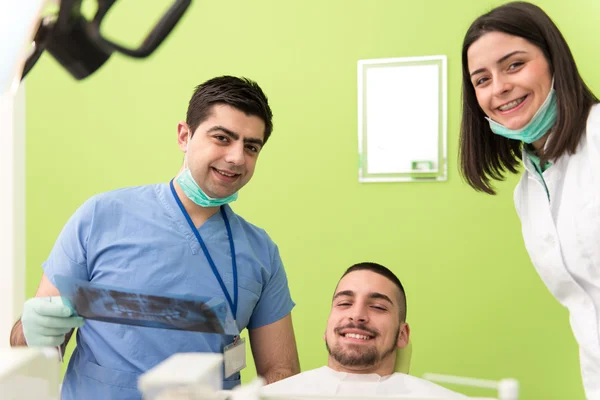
[197,195]
[539,125]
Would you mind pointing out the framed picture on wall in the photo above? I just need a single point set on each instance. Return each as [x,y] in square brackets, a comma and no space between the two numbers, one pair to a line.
[402,119]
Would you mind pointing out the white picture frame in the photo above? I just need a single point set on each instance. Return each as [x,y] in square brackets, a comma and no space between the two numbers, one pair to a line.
[402,119]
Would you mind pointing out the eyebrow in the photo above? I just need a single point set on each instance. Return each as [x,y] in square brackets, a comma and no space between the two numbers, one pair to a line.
[500,61]
[234,135]
[372,295]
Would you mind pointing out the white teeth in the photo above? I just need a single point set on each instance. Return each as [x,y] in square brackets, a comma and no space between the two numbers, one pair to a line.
[356,336]
[512,104]
[225,174]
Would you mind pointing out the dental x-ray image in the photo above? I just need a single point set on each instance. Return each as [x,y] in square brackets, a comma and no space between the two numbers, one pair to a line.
[116,305]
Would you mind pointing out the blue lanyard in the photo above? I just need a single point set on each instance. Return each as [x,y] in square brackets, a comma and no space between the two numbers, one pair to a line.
[233,304]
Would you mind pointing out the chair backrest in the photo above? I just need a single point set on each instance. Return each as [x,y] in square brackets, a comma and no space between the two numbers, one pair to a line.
[403,359]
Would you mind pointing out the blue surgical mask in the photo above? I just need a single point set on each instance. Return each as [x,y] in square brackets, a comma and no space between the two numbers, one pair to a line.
[539,125]
[197,195]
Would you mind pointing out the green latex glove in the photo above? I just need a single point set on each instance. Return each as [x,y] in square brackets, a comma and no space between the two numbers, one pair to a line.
[46,321]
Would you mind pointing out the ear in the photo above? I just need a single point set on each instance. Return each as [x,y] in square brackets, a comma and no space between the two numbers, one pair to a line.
[403,335]
[325,336]
[183,135]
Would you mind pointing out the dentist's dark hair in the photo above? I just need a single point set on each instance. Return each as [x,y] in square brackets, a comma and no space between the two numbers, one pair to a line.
[485,156]
[241,93]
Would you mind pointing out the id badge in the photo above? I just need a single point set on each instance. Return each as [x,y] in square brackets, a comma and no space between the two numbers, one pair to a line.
[234,357]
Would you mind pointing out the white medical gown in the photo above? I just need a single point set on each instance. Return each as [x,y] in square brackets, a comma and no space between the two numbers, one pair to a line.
[325,381]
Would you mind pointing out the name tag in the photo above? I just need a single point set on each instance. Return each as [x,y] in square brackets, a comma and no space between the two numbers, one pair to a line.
[234,357]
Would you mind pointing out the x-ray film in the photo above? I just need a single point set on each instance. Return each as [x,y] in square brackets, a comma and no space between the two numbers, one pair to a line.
[120,306]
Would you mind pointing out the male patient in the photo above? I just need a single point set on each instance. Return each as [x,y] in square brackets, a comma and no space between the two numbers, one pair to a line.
[365,328]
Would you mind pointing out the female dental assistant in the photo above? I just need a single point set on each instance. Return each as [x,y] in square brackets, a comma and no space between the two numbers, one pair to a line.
[524,101]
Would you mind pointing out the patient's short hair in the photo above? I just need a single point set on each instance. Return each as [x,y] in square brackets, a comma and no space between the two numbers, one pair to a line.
[381,270]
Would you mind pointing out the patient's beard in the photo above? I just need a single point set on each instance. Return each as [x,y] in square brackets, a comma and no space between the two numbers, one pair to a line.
[360,356]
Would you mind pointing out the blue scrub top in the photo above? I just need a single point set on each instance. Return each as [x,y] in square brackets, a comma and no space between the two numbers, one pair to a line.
[138,239]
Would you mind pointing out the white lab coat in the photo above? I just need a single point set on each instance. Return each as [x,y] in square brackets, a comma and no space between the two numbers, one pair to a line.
[561,230]
[325,381]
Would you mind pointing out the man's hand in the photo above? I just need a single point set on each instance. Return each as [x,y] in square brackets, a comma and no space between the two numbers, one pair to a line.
[46,321]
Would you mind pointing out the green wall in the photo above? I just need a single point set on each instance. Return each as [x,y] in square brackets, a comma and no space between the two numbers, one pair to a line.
[475,304]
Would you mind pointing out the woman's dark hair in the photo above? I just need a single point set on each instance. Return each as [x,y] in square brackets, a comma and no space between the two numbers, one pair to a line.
[485,156]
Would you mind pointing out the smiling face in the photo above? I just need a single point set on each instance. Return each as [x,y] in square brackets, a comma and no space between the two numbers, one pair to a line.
[511,77]
[222,152]
[364,326]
